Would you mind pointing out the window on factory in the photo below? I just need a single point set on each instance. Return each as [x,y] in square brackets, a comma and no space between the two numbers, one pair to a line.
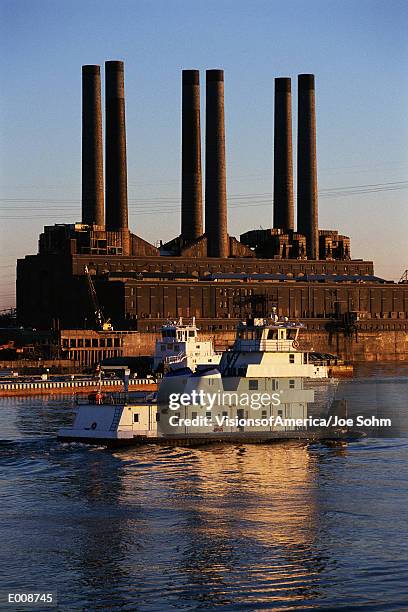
[108,341]
[102,342]
[116,342]
[72,343]
[80,342]
[87,342]
[95,342]
[65,343]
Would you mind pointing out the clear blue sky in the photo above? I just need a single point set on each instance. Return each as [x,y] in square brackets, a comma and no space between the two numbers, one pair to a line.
[356,48]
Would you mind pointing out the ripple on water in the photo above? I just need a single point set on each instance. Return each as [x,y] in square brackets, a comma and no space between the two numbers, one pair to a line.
[232,526]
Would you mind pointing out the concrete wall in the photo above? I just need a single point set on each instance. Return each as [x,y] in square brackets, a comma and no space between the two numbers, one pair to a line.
[366,346]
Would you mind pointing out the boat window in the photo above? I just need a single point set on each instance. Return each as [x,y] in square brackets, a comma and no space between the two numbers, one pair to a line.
[208,414]
[163,347]
[291,358]
[274,385]
[193,415]
[272,334]
[135,417]
[291,384]
[176,347]
[253,385]
[169,346]
[225,413]
[191,334]
[264,414]
[157,416]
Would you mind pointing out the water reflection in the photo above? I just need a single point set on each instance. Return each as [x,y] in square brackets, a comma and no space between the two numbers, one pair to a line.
[240,527]
[248,516]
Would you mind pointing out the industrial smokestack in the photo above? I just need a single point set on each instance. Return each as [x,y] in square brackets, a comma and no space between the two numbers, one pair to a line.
[116,168]
[191,181]
[283,213]
[92,156]
[307,165]
[215,171]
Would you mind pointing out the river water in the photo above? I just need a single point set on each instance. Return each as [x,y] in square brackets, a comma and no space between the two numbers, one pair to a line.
[238,527]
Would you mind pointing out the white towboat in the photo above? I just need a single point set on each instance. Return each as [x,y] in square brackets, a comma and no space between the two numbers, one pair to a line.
[179,347]
[269,347]
[265,360]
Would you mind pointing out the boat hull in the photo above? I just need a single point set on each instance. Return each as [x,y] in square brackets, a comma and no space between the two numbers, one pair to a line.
[308,437]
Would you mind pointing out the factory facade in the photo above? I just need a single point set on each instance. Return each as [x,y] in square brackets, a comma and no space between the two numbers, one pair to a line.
[306,272]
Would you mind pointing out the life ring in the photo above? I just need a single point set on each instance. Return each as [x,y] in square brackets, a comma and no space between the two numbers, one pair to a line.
[93,426]
[295,344]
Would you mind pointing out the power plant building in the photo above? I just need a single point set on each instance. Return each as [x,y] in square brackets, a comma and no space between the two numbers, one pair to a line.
[307,272]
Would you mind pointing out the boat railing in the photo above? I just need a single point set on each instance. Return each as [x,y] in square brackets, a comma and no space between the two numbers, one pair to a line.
[257,346]
[106,399]
[174,358]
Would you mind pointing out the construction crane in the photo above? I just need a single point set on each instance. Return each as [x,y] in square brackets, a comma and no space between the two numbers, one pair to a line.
[102,323]
[404,277]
